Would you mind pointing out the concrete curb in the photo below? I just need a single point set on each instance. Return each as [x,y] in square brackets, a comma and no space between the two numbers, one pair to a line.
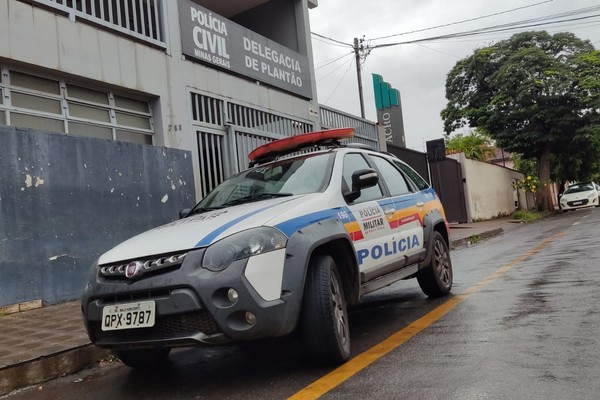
[481,236]
[43,369]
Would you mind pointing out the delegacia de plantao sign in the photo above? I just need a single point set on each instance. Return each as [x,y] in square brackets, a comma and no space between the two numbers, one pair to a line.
[215,40]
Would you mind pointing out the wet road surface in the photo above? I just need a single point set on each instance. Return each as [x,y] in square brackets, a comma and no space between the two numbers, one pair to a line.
[522,323]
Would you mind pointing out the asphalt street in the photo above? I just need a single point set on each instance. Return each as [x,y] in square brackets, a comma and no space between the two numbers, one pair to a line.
[521,323]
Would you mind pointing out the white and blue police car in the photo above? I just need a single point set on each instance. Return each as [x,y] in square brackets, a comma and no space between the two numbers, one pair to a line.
[282,247]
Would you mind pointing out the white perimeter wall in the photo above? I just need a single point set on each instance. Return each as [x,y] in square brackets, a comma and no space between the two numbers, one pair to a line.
[488,189]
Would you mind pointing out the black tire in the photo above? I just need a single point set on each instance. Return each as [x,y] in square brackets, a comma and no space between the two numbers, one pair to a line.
[324,320]
[144,359]
[435,280]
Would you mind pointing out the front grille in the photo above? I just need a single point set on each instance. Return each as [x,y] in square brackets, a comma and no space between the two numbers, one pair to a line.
[137,269]
[579,202]
[166,327]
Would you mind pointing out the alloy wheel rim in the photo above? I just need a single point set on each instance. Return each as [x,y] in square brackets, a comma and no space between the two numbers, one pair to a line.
[442,263]
[338,309]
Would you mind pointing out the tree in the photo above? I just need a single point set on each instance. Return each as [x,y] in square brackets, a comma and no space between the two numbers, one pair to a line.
[536,94]
[475,145]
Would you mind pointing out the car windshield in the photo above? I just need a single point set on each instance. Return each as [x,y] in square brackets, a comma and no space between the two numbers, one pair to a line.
[580,187]
[288,177]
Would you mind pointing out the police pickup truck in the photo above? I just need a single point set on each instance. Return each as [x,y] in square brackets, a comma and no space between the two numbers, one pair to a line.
[285,246]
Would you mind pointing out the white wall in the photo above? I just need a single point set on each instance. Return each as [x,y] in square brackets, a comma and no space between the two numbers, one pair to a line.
[488,189]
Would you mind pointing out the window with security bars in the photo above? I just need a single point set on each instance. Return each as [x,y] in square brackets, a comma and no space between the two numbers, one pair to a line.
[253,128]
[207,109]
[43,103]
[210,110]
[261,120]
[210,148]
[142,19]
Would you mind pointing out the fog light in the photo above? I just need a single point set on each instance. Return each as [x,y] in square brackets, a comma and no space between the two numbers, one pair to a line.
[250,318]
[232,295]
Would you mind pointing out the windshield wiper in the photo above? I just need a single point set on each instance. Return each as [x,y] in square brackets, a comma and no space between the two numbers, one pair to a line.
[201,210]
[256,197]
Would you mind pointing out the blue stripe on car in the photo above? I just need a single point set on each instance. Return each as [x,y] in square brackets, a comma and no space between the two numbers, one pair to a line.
[290,226]
[211,236]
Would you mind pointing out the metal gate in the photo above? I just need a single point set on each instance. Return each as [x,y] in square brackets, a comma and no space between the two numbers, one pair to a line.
[447,180]
[212,153]
[227,132]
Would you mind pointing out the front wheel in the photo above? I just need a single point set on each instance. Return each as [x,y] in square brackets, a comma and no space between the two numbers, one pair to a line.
[435,280]
[324,319]
[144,359]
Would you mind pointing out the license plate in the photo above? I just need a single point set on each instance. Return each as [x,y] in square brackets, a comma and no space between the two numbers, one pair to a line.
[128,316]
[577,203]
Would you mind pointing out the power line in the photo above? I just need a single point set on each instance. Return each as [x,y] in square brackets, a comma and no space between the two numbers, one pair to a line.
[336,68]
[482,31]
[463,21]
[544,20]
[329,43]
[338,85]
[331,61]
[333,40]
[361,51]
[437,51]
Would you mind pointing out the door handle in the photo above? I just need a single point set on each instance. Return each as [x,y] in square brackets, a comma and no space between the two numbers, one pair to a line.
[420,204]
[389,211]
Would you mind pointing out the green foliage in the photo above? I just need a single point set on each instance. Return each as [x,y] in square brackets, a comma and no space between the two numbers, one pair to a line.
[475,145]
[527,166]
[474,239]
[527,215]
[536,94]
[528,184]
[582,162]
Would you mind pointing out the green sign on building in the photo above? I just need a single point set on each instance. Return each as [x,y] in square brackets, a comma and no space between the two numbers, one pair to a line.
[389,111]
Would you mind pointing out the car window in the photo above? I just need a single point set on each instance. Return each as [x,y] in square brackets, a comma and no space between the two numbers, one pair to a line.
[393,178]
[412,174]
[580,187]
[300,175]
[354,162]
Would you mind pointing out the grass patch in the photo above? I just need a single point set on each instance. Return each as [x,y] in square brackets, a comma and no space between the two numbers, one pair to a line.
[527,216]
[473,239]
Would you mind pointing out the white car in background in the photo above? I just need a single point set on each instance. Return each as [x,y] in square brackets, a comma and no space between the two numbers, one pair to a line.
[580,195]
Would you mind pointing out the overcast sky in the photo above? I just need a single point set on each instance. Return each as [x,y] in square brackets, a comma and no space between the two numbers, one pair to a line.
[419,71]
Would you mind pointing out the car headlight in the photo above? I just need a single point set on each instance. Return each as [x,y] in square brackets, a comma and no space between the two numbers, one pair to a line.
[252,242]
[592,195]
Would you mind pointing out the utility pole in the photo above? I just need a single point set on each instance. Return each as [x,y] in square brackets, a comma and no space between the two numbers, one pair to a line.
[357,55]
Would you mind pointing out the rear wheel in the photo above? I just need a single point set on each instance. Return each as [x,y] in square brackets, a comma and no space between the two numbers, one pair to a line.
[144,359]
[436,279]
[324,320]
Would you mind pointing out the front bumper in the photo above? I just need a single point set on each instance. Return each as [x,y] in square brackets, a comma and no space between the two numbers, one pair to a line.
[192,307]
[582,203]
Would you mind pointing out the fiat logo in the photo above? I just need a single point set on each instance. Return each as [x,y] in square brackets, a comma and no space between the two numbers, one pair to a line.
[132,269]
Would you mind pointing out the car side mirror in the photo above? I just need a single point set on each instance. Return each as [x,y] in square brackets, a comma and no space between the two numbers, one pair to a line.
[361,179]
[184,212]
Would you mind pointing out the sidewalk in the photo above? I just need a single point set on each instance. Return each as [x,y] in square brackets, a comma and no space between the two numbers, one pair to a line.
[42,344]
[463,234]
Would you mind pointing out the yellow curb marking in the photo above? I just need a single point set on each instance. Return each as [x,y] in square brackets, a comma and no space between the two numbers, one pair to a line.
[363,360]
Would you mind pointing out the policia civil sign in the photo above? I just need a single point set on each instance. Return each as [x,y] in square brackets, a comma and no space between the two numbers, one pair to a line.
[215,40]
